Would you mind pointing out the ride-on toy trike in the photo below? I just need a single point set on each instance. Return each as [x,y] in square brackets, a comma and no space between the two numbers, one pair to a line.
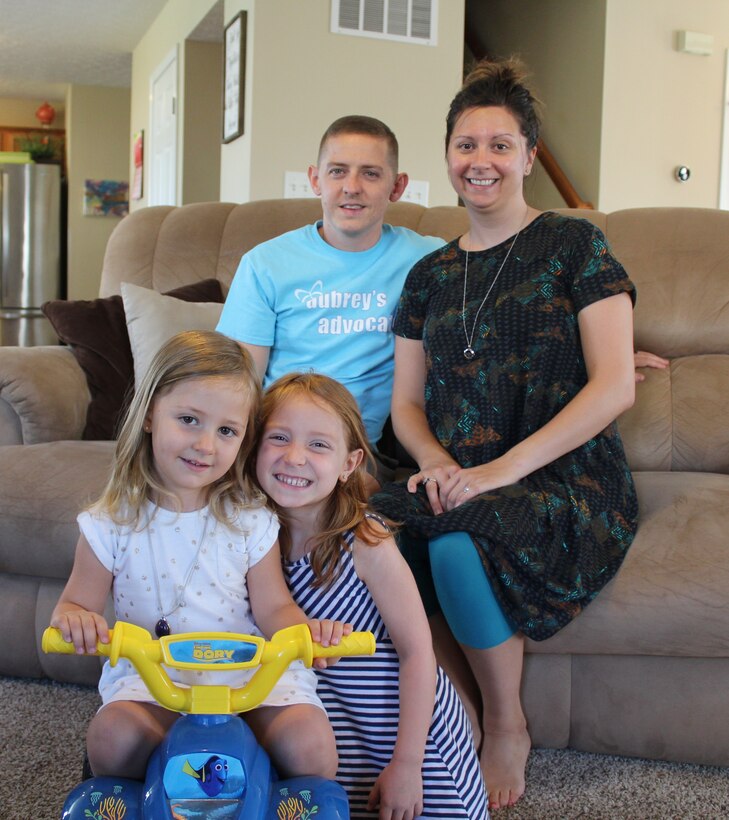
[210,765]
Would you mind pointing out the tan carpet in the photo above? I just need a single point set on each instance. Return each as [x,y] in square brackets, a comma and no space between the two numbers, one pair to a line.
[42,727]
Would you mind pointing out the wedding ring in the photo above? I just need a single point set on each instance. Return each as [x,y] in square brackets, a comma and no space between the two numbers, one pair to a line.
[429,478]
[466,489]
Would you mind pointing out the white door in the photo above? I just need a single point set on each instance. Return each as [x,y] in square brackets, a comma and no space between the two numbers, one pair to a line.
[162,167]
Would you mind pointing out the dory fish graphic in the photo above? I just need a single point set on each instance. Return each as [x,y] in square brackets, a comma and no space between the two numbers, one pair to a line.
[211,776]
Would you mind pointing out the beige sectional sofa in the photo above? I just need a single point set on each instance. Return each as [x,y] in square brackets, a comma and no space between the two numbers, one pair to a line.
[645,670]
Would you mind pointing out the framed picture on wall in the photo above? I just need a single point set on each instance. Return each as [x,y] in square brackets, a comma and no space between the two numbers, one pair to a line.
[234,77]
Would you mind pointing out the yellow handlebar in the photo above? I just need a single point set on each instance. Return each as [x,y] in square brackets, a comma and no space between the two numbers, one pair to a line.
[213,651]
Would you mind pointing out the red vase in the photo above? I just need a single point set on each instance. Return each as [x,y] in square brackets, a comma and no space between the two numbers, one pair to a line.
[46,114]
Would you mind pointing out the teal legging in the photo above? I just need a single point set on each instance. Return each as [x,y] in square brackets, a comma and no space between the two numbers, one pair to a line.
[465,594]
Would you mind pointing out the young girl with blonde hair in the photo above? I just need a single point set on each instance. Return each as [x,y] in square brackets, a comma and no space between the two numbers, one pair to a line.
[186,544]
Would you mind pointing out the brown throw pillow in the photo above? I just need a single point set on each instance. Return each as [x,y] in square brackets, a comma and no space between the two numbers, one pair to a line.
[96,332]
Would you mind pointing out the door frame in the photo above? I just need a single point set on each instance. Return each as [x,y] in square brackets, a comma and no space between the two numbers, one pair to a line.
[724,159]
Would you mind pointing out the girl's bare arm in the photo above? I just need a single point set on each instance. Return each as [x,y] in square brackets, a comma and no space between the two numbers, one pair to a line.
[78,613]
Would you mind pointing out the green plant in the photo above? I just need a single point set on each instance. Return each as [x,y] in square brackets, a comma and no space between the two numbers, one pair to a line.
[39,148]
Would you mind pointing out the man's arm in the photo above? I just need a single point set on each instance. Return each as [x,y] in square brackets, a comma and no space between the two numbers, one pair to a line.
[259,354]
[248,312]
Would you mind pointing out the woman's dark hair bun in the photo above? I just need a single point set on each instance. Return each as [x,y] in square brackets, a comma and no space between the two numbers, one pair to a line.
[498,82]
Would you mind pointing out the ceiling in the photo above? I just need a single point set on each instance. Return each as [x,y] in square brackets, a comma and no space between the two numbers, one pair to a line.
[47,44]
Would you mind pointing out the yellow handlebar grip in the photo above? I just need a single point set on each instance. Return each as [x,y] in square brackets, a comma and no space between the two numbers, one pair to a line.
[53,642]
[358,643]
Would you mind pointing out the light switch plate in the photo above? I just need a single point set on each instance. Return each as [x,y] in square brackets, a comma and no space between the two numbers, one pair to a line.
[417,192]
[296,185]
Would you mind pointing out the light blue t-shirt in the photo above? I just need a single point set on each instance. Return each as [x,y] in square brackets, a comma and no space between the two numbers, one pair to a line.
[319,308]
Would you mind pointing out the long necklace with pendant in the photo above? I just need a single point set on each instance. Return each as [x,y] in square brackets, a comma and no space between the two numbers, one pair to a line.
[468,351]
[162,627]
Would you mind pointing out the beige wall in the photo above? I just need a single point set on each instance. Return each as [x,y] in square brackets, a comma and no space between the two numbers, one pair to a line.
[662,108]
[235,156]
[98,146]
[203,87]
[169,31]
[623,107]
[303,77]
[299,78]
[20,113]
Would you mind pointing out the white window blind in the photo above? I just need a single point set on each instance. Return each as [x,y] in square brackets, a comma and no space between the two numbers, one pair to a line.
[409,21]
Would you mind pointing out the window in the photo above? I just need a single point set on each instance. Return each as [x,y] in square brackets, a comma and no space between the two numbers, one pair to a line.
[407,21]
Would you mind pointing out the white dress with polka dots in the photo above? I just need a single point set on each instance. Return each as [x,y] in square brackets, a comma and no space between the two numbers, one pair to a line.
[215,596]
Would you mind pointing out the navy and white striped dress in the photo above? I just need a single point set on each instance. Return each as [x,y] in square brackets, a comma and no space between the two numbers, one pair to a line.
[361,696]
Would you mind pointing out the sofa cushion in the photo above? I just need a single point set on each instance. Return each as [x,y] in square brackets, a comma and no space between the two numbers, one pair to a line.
[153,318]
[669,597]
[39,531]
[96,332]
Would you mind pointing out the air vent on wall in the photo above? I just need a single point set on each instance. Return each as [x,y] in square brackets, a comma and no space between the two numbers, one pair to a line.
[408,21]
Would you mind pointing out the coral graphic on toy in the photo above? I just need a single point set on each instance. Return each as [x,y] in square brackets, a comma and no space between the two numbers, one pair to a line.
[292,808]
[109,808]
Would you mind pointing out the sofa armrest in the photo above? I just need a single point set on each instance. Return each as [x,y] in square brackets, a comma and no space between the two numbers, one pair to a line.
[43,395]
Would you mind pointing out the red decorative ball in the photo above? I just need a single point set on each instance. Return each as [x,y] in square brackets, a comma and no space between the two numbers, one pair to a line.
[46,113]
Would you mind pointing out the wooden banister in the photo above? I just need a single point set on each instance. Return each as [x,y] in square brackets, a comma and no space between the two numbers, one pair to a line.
[561,182]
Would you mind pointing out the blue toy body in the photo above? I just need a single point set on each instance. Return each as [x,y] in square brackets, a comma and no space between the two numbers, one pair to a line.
[210,765]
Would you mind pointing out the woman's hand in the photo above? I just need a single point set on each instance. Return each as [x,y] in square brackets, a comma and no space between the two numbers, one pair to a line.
[467,483]
[642,358]
[411,425]
[327,633]
[434,477]
[398,792]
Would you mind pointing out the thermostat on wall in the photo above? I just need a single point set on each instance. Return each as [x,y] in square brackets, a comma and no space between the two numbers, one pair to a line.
[692,42]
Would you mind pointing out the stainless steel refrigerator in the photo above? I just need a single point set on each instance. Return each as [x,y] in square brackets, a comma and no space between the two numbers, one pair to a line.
[30,251]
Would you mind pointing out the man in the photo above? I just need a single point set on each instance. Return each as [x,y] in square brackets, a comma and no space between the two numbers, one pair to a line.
[322,297]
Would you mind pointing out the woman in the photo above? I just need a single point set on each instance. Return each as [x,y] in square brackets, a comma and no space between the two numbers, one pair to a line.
[513,359]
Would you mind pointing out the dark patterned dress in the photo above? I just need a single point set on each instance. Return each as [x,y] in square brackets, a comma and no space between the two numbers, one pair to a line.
[550,542]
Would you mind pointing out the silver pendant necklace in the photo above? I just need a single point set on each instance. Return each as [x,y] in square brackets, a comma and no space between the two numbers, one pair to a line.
[162,627]
[468,351]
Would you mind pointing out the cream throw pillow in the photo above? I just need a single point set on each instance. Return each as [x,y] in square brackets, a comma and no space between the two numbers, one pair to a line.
[153,318]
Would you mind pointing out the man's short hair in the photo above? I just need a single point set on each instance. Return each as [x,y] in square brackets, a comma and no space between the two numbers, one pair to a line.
[369,126]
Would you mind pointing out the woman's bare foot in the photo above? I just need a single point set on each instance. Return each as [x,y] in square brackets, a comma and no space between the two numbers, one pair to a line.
[503,762]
